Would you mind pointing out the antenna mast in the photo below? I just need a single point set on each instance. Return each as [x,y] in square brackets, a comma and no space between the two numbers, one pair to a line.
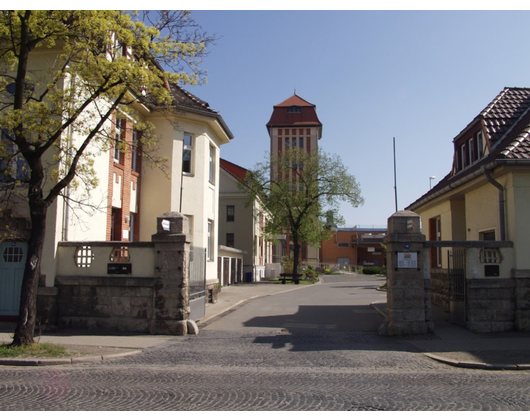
[395,182]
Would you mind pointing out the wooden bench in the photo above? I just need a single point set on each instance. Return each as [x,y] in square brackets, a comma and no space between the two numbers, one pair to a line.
[289,276]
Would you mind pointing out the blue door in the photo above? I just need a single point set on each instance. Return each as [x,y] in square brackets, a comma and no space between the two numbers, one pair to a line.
[12,260]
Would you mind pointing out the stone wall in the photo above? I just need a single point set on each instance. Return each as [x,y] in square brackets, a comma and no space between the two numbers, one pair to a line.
[490,305]
[522,299]
[118,286]
[114,304]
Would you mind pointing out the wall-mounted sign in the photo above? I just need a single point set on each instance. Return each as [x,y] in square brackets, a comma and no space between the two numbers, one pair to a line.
[407,259]
[119,268]
[166,224]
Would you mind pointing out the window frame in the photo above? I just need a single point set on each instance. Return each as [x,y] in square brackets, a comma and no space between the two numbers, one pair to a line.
[209,241]
[134,151]
[187,149]
[17,164]
[230,217]
[230,240]
[119,136]
[211,165]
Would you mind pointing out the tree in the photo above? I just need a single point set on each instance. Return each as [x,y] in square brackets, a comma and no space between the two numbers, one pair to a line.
[63,75]
[302,191]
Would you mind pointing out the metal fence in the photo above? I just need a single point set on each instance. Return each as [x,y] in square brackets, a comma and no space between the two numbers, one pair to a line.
[197,282]
[197,272]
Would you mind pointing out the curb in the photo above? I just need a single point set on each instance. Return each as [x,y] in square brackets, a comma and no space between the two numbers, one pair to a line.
[478,365]
[66,361]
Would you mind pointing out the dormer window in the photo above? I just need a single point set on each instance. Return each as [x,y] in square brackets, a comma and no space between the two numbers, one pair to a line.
[294,109]
[469,151]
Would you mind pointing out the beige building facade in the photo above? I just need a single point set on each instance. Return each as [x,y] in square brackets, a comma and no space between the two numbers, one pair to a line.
[130,193]
[241,225]
[486,196]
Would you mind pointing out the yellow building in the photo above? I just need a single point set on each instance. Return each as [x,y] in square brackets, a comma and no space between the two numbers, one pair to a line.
[486,195]
[129,196]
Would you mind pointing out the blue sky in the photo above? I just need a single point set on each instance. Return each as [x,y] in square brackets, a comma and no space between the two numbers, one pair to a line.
[418,76]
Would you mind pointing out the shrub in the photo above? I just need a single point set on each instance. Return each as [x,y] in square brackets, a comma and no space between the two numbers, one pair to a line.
[371,270]
[311,273]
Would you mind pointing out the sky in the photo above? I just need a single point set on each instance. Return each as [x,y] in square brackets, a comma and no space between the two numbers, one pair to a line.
[417,76]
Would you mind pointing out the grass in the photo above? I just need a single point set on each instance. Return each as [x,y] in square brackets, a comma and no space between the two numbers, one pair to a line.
[33,350]
[276,280]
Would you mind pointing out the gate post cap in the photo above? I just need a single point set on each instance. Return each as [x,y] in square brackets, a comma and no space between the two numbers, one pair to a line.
[404,221]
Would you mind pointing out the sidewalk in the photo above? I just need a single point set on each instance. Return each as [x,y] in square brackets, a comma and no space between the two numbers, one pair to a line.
[90,347]
[449,344]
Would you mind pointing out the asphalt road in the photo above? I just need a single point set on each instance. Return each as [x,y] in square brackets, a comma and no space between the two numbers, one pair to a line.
[311,349]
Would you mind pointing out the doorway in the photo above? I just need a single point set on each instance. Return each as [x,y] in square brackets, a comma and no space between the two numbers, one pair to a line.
[12,261]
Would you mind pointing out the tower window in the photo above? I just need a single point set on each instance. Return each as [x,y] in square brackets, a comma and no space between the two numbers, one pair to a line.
[294,109]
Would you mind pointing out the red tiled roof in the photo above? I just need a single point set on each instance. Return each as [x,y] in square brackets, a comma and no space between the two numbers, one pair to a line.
[233,169]
[186,100]
[503,112]
[282,117]
[507,123]
[295,100]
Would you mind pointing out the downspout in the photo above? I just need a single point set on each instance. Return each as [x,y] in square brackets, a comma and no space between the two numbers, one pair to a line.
[66,207]
[502,216]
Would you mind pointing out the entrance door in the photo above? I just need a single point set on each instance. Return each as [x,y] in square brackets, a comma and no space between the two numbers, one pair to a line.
[12,260]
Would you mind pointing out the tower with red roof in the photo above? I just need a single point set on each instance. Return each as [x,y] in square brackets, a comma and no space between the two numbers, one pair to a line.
[294,123]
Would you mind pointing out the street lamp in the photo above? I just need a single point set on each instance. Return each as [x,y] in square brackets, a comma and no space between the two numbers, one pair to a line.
[430,181]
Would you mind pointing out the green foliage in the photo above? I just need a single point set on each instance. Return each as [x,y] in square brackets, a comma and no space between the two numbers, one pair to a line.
[64,75]
[89,65]
[302,192]
[311,274]
[371,270]
[287,264]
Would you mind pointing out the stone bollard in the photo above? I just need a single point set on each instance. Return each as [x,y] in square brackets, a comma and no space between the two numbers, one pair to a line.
[407,308]
[172,248]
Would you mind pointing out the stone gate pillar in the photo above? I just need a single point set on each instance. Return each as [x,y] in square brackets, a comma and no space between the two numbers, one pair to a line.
[172,247]
[408,309]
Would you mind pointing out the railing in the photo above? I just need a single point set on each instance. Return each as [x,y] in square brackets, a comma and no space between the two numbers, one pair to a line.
[197,272]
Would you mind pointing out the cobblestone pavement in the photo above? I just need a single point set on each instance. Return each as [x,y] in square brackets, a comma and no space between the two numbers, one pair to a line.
[267,369]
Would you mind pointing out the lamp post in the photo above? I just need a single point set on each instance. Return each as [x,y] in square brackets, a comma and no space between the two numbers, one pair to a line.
[430,181]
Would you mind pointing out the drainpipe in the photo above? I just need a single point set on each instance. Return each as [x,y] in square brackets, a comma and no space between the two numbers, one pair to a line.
[502,216]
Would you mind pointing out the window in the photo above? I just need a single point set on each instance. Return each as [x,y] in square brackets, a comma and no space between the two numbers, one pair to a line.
[230,213]
[211,174]
[480,145]
[134,151]
[15,166]
[469,151]
[13,254]
[84,256]
[294,109]
[472,150]
[132,223]
[187,154]
[119,136]
[487,235]
[230,240]
[209,243]
[301,142]
[343,244]
[120,254]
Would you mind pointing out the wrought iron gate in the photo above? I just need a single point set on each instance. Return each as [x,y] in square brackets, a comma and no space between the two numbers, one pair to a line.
[456,262]
[197,282]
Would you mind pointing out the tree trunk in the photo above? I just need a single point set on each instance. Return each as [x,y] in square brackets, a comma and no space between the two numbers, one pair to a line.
[296,259]
[27,316]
